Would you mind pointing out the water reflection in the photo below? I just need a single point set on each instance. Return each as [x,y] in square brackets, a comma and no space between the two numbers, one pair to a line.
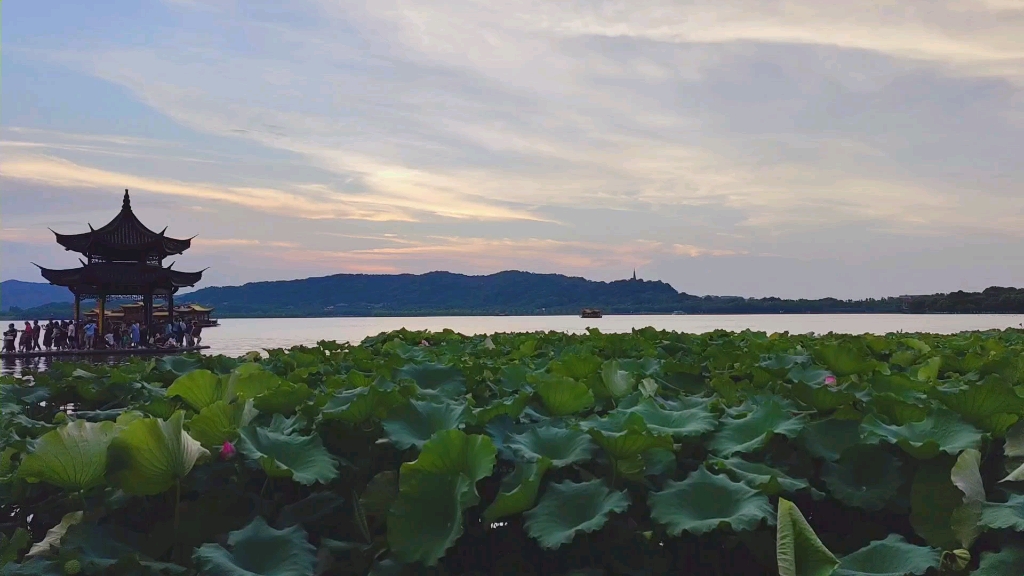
[19,366]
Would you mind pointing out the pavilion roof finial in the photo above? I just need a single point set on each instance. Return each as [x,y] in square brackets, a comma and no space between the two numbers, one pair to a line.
[126,204]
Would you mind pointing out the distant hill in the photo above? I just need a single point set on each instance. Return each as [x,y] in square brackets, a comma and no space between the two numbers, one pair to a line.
[994,299]
[509,292]
[18,294]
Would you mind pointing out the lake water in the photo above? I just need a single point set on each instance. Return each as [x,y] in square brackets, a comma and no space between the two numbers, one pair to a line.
[235,337]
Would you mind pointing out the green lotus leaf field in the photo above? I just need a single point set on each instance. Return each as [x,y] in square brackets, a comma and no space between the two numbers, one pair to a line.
[435,453]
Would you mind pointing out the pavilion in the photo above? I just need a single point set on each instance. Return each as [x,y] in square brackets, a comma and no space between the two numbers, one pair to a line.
[125,261]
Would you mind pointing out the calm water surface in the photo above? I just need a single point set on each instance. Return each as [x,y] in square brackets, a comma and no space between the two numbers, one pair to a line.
[235,337]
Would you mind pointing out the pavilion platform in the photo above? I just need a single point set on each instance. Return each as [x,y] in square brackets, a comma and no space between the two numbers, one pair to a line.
[104,352]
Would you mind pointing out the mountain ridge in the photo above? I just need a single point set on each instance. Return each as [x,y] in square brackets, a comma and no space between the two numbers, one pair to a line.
[510,292]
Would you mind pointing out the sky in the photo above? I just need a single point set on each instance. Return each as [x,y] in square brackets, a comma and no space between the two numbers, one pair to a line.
[791,148]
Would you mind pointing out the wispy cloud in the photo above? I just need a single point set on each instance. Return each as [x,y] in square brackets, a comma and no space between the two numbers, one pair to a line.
[539,135]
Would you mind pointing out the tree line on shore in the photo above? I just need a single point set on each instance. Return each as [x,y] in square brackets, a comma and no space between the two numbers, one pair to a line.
[523,293]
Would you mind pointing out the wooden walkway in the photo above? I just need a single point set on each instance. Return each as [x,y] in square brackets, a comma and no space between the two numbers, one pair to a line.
[104,352]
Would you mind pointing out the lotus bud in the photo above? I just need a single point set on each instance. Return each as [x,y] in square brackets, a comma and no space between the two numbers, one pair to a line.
[227,451]
[830,380]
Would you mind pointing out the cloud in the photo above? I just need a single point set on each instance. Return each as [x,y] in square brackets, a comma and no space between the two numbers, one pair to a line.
[697,251]
[481,255]
[589,136]
[26,236]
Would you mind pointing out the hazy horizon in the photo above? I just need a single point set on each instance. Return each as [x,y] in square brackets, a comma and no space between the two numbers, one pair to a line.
[743,148]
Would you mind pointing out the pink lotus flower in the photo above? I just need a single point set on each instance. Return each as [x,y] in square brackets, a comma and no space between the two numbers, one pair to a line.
[227,451]
[830,380]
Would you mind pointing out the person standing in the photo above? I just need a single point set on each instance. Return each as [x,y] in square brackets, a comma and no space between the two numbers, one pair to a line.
[90,335]
[72,336]
[197,333]
[189,340]
[179,333]
[25,343]
[136,334]
[48,335]
[37,330]
[9,336]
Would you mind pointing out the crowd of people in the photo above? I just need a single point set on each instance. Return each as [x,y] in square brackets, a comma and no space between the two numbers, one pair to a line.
[71,335]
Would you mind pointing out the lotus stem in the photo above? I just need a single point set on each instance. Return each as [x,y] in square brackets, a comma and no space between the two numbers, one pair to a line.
[177,506]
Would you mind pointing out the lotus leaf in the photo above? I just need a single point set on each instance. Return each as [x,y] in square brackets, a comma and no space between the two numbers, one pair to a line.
[511,406]
[99,551]
[72,457]
[750,432]
[941,431]
[178,364]
[149,455]
[568,508]
[199,388]
[828,438]
[625,436]
[846,358]
[563,396]
[561,446]
[809,374]
[679,424]
[454,452]
[434,490]
[893,556]
[993,405]
[705,502]
[219,422]
[518,490]
[258,549]
[934,501]
[438,378]
[426,518]
[360,404]
[617,382]
[301,458]
[1009,514]
[867,477]
[1014,444]
[898,411]
[966,476]
[761,476]
[798,549]
[416,422]
[54,535]
[576,366]
[315,508]
[823,398]
[1006,562]
[379,493]
[10,548]
[284,399]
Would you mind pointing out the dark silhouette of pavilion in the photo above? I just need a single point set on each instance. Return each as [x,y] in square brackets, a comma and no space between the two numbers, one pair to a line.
[125,260]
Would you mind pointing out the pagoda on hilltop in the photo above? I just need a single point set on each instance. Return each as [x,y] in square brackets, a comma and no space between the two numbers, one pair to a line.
[125,261]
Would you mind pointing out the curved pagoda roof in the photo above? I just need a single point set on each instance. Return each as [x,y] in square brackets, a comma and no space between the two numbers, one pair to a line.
[124,238]
[121,278]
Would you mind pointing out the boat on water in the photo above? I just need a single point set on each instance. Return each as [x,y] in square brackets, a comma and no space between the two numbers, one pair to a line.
[591,313]
[130,312]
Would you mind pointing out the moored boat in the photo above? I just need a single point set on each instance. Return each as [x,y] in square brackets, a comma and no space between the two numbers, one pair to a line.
[590,313]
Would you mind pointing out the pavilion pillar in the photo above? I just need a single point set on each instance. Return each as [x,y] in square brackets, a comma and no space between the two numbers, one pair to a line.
[78,308]
[101,313]
[170,307]
[147,308]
